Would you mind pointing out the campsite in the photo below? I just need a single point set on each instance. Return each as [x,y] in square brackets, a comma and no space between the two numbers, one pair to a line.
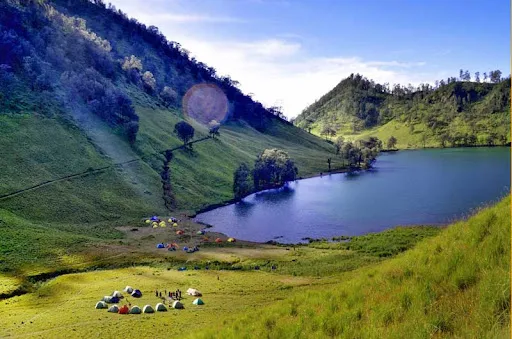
[255,169]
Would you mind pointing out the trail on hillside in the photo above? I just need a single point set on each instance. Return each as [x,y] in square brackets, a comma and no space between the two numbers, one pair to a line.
[88,172]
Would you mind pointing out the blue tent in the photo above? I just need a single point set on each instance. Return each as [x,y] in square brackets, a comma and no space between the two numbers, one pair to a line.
[114,300]
[182,269]
[160,245]
[185,248]
[136,294]
[154,218]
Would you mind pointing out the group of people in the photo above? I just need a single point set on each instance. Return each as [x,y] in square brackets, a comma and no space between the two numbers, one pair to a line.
[176,295]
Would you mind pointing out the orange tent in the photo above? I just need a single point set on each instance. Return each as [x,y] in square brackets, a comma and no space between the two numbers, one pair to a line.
[124,309]
[179,232]
[218,240]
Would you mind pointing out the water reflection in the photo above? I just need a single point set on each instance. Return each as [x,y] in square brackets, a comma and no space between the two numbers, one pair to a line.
[275,195]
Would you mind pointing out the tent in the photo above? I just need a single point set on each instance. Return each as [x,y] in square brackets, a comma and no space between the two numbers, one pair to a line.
[154,218]
[101,304]
[124,309]
[161,307]
[135,310]
[175,225]
[182,269]
[200,232]
[136,294]
[160,245]
[148,221]
[155,226]
[113,309]
[198,301]
[148,309]
[162,224]
[179,232]
[231,240]
[110,299]
[194,292]
[177,305]
[117,294]
[185,248]
[128,289]
[218,240]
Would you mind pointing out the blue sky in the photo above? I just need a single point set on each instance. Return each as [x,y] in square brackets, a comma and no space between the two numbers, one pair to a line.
[289,53]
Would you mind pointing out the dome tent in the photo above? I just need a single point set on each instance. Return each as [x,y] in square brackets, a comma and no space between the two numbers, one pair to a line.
[100,305]
[136,294]
[160,245]
[113,309]
[135,310]
[148,309]
[128,289]
[161,307]
[194,292]
[124,309]
[231,240]
[110,299]
[198,301]
[177,305]
[117,294]
[218,240]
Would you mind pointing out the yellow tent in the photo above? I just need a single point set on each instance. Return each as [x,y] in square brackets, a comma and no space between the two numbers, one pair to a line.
[231,240]
[155,226]
[175,225]
[162,224]
[170,220]
[148,221]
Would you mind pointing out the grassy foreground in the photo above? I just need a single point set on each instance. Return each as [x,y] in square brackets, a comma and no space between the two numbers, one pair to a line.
[454,285]
[454,282]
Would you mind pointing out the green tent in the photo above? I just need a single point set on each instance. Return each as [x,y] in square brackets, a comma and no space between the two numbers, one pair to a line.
[161,307]
[148,309]
[135,310]
[113,309]
[101,304]
[177,305]
[198,301]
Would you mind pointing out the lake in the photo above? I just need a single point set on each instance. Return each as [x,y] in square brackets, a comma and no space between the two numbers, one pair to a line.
[416,187]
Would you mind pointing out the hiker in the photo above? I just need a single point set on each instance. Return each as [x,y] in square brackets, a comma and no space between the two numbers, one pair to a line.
[160,294]
[156,293]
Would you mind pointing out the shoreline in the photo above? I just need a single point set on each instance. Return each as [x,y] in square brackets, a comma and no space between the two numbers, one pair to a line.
[320,174]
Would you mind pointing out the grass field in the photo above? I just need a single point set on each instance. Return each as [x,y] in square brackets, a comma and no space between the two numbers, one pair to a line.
[419,136]
[454,282]
[454,285]
[38,221]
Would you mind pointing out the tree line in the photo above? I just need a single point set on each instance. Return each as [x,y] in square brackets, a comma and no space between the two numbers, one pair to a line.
[272,168]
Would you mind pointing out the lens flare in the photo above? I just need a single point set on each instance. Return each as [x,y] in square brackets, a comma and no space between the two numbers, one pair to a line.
[204,103]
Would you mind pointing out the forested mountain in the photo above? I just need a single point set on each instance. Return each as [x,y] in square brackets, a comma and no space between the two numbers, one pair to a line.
[455,112]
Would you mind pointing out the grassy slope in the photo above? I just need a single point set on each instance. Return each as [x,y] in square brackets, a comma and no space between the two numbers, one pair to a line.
[65,304]
[454,285]
[86,209]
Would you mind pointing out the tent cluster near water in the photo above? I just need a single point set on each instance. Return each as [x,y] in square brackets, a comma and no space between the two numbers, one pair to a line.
[116,297]
[158,222]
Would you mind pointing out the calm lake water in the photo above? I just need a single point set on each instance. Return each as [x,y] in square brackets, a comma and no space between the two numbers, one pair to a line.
[405,188]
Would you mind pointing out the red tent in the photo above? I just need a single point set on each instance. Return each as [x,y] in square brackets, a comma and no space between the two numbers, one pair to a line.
[124,309]
[218,240]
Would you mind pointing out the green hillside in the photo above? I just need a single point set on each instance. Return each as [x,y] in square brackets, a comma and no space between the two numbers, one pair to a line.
[69,107]
[455,113]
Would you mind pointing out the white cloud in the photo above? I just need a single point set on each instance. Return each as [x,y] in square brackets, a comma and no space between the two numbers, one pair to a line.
[276,70]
